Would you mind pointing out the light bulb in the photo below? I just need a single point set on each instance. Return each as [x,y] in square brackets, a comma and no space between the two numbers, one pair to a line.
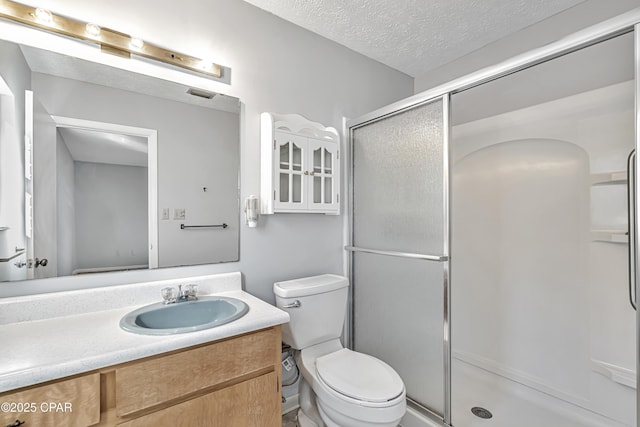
[43,16]
[93,30]
[136,43]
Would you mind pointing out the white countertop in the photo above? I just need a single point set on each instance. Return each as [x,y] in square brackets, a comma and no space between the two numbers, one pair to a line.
[71,338]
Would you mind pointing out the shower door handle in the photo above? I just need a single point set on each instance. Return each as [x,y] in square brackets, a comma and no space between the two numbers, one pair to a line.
[631,219]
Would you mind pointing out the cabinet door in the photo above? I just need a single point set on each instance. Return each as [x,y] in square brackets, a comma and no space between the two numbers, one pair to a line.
[255,402]
[67,403]
[289,167]
[161,380]
[323,183]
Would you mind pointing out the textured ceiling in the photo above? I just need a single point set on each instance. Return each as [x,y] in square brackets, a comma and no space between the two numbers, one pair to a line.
[414,36]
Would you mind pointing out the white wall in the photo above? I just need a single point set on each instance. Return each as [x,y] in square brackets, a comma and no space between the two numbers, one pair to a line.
[65,208]
[583,15]
[276,66]
[111,213]
[15,73]
[45,221]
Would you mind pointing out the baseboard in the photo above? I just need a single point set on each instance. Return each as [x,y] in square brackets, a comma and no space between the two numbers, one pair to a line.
[414,418]
[615,373]
[525,379]
[290,404]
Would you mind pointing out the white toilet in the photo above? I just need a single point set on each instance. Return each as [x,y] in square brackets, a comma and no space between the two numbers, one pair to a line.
[339,387]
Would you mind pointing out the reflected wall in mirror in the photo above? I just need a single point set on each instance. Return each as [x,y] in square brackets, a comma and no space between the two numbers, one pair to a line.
[102,170]
[99,167]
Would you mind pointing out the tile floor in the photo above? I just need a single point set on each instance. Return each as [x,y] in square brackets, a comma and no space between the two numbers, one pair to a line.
[289,419]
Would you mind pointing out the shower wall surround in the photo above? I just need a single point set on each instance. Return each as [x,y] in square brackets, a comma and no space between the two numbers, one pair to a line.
[537,298]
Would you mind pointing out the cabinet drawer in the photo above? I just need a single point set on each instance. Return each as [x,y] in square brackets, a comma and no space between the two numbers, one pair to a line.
[161,379]
[74,402]
[255,402]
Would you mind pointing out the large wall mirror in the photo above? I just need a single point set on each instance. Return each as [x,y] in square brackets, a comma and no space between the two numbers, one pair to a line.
[104,170]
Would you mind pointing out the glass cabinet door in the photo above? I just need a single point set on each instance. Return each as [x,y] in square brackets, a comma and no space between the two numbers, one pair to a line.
[322,175]
[290,191]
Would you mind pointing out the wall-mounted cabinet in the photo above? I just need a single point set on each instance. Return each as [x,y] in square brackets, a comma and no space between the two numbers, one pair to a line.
[300,165]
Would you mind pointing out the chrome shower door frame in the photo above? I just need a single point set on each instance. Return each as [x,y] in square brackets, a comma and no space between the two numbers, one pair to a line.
[439,258]
[625,23]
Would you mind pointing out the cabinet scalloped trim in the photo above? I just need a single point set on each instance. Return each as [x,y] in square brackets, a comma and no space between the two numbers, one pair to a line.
[299,125]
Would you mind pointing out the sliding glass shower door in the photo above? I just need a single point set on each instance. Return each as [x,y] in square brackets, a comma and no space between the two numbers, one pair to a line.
[399,247]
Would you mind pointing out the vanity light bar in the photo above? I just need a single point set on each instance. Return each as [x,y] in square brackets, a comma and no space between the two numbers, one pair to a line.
[109,40]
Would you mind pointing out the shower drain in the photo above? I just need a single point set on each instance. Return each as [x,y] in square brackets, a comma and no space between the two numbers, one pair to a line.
[481,412]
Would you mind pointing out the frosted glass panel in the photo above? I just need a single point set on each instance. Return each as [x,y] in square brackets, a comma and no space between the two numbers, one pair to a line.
[317,160]
[297,158]
[284,187]
[284,156]
[399,319]
[296,197]
[398,182]
[317,189]
[327,161]
[327,190]
[398,205]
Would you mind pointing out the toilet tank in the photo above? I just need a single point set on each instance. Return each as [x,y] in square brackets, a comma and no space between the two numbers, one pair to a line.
[317,306]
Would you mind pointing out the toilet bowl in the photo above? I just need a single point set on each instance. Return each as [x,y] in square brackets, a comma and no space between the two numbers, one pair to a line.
[340,387]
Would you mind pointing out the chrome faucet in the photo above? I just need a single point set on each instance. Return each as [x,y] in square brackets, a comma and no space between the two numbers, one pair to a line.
[189,294]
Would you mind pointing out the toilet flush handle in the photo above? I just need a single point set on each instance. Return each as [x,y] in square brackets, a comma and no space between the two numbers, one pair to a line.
[294,304]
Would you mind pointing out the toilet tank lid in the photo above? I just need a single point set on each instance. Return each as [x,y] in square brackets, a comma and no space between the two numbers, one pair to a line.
[309,285]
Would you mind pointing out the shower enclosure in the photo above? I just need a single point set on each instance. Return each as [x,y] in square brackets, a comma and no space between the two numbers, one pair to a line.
[492,238]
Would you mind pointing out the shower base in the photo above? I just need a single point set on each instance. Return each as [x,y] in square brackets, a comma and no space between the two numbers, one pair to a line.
[510,403]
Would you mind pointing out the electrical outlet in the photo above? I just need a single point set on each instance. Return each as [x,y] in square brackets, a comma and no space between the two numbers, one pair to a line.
[164,215]
[179,213]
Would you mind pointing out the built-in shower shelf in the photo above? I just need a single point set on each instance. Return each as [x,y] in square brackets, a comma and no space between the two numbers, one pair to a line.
[605,178]
[615,373]
[610,236]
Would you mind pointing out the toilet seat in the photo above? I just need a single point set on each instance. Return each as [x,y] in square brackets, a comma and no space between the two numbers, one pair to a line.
[359,376]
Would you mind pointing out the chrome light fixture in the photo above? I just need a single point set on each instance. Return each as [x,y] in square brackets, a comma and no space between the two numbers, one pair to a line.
[109,40]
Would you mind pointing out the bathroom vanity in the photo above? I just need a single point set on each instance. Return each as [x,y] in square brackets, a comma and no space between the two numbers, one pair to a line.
[228,375]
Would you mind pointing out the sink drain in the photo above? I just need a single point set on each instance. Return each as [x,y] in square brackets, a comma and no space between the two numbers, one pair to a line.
[481,412]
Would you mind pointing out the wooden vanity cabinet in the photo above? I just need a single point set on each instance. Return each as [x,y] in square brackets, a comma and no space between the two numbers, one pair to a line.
[230,382]
[249,403]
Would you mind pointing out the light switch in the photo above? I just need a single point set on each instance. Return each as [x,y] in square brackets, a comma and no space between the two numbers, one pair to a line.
[179,213]
[164,215]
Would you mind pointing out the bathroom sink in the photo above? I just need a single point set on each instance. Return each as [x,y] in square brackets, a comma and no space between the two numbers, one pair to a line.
[180,317]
